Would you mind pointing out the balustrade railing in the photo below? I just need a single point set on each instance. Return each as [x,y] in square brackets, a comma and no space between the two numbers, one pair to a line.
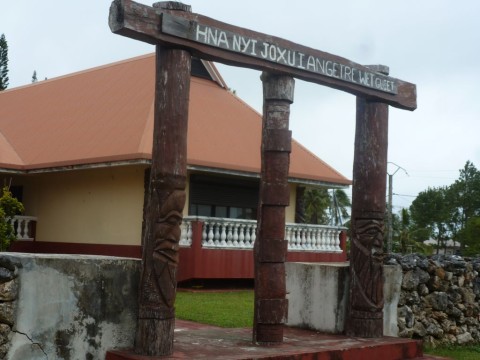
[186,236]
[22,226]
[241,234]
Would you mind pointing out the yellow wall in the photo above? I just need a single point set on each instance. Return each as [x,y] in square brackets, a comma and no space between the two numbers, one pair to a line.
[99,206]
[290,209]
[96,206]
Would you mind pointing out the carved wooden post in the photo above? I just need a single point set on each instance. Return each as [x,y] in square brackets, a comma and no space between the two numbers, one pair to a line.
[164,208]
[270,246]
[368,211]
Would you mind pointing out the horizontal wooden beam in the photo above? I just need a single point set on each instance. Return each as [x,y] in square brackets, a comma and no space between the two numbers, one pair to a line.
[217,41]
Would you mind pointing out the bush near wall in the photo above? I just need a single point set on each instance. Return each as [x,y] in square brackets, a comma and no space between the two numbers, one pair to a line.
[439,299]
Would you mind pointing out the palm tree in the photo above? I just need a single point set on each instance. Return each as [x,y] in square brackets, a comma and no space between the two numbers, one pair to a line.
[323,206]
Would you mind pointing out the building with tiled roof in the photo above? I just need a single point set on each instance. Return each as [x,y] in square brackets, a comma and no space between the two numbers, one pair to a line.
[75,150]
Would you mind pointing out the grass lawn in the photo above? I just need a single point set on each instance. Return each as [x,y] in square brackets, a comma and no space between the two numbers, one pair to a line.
[456,352]
[228,309]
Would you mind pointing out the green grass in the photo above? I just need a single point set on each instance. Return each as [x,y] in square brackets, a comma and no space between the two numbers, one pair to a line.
[225,309]
[456,352]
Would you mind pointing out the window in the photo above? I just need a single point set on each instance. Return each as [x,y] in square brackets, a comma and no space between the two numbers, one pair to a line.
[223,197]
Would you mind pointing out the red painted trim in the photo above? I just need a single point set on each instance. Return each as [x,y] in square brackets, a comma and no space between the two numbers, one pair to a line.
[44,247]
[196,262]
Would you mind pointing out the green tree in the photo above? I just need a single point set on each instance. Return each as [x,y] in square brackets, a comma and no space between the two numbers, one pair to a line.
[317,202]
[406,237]
[323,206]
[446,213]
[471,236]
[3,63]
[431,214]
[465,196]
[9,207]
[341,205]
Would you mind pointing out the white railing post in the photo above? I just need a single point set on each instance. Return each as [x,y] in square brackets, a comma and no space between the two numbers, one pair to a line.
[186,234]
[241,234]
[21,226]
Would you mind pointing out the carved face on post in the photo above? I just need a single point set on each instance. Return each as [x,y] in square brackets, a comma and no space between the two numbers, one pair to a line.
[369,233]
[167,233]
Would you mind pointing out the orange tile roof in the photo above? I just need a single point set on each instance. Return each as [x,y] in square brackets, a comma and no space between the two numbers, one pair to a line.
[105,115]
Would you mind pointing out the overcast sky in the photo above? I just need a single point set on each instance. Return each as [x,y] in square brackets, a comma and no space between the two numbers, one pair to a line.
[434,44]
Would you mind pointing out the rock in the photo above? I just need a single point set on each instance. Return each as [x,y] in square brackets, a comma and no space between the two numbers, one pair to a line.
[7,313]
[6,274]
[4,350]
[9,290]
[468,295]
[409,261]
[454,312]
[419,330]
[437,300]
[413,278]
[406,314]
[435,330]
[5,331]
[423,290]
[412,298]
[464,338]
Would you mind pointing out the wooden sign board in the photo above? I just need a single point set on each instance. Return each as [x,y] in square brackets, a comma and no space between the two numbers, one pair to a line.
[217,41]
[260,48]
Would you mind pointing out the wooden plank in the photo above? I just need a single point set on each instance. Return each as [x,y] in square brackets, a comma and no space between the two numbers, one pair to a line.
[217,41]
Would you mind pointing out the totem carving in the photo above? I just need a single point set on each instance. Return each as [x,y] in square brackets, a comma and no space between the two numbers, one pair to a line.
[159,284]
[367,262]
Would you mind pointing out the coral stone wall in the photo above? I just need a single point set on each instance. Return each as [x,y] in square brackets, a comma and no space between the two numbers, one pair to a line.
[439,299]
[8,297]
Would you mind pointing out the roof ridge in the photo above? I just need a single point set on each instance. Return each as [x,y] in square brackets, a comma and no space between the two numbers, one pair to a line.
[79,72]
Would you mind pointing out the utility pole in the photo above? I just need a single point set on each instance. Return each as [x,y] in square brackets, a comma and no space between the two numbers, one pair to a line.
[390,207]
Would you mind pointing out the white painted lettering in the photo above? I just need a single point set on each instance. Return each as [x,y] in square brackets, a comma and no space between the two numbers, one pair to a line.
[254,44]
[222,39]
[212,37]
[320,65]
[236,43]
[300,61]
[291,57]
[311,63]
[348,73]
[281,55]
[335,70]
[329,68]
[273,52]
[264,53]
[201,33]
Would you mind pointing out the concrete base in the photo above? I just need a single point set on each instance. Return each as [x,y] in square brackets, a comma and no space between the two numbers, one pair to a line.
[72,306]
[317,295]
[213,343]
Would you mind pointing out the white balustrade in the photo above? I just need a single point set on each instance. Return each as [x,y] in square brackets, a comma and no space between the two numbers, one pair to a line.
[186,234]
[241,234]
[21,226]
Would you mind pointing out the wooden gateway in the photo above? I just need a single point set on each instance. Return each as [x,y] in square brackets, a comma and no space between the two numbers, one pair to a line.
[180,34]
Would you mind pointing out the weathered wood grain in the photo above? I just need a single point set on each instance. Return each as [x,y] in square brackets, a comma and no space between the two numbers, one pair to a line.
[270,248]
[365,315]
[144,23]
[164,204]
